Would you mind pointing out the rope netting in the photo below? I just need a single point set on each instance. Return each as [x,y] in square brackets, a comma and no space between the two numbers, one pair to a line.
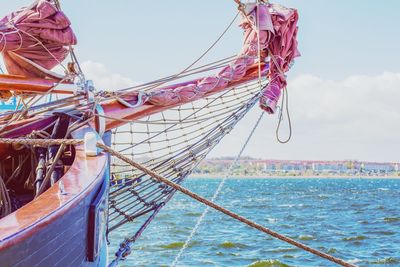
[171,143]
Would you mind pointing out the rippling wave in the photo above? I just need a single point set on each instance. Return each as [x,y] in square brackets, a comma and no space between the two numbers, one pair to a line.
[389,260]
[354,238]
[231,245]
[268,263]
[354,219]
[392,219]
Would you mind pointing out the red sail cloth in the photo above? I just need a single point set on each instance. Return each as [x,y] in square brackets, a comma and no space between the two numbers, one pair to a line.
[38,33]
[278,30]
[282,49]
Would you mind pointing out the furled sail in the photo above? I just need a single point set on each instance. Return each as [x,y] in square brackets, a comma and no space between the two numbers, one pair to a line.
[34,39]
[282,47]
[167,128]
[193,117]
[274,35]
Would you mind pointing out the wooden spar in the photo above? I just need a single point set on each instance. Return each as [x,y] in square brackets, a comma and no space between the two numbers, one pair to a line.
[112,109]
[115,109]
[34,85]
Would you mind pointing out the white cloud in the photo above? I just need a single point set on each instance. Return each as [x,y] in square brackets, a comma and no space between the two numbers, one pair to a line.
[103,79]
[358,109]
[354,118]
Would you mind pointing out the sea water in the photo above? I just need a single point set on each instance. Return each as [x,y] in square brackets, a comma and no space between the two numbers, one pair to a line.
[354,219]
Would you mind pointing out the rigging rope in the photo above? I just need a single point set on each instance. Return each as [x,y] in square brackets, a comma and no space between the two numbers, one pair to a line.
[204,68]
[224,210]
[5,201]
[19,114]
[285,96]
[11,23]
[222,183]
[185,191]
[217,192]
[40,142]
[176,76]
[176,162]
[171,143]
[74,58]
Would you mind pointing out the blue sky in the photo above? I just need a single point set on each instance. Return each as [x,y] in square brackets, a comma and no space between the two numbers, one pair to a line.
[349,56]
[146,39]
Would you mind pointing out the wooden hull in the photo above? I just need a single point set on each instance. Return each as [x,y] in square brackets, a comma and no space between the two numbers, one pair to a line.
[61,243]
[59,229]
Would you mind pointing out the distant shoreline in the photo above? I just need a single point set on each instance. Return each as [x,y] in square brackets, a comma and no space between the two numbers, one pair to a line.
[219,176]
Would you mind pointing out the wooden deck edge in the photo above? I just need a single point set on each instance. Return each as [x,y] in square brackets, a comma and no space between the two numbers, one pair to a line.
[82,177]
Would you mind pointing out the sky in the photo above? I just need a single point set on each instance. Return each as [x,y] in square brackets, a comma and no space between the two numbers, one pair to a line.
[344,90]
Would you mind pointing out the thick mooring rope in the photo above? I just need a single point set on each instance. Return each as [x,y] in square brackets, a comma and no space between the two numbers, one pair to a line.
[40,142]
[48,142]
[224,210]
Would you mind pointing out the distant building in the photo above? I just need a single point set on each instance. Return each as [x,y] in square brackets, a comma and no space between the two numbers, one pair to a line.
[298,167]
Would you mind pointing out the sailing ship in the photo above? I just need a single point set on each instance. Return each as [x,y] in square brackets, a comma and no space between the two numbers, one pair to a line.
[60,195]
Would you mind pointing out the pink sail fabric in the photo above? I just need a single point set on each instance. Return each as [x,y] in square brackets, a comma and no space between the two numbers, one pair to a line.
[33,35]
[231,73]
[278,32]
[199,88]
[282,50]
